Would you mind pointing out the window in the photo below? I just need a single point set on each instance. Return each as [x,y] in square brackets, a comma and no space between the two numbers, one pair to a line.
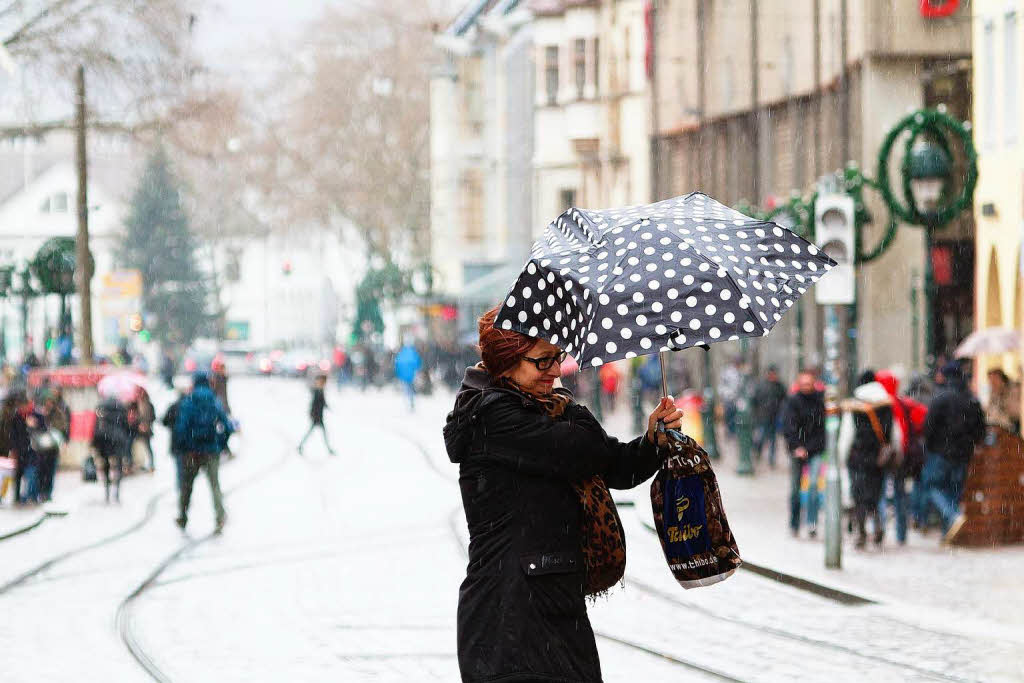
[1010,83]
[597,65]
[989,69]
[233,265]
[567,197]
[551,73]
[580,65]
[55,203]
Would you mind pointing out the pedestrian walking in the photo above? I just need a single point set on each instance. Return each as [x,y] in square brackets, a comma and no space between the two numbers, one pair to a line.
[954,426]
[145,417]
[866,437]
[112,441]
[317,405]
[177,449]
[730,388]
[769,395]
[908,417]
[527,453]
[167,370]
[803,426]
[201,429]
[47,438]
[407,364]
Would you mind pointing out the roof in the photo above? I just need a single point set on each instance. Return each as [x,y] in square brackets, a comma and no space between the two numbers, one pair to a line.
[475,9]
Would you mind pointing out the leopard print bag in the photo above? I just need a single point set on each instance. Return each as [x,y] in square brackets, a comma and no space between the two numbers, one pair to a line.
[604,544]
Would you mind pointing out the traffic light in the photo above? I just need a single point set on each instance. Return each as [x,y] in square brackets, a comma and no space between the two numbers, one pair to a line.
[286,267]
[135,322]
[834,225]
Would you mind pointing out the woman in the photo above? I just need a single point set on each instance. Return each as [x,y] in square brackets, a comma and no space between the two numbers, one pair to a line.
[1003,408]
[521,445]
[866,427]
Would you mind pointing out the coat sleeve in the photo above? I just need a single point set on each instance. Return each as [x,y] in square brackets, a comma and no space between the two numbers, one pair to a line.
[572,448]
[630,463]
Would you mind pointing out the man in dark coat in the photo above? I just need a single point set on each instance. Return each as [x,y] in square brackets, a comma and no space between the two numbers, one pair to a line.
[522,612]
[201,430]
[954,426]
[803,425]
[768,397]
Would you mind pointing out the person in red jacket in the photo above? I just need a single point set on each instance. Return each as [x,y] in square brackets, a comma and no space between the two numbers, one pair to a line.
[909,416]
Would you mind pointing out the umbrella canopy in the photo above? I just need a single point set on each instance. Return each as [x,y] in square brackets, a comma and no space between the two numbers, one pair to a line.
[687,271]
[124,386]
[989,340]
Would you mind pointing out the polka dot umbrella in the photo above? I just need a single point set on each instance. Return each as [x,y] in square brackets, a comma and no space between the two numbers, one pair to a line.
[688,271]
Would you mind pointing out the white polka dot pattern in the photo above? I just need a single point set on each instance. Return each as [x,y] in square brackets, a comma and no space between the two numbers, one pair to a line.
[687,271]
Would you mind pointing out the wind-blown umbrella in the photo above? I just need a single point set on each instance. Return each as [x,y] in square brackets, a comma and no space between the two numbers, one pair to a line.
[687,271]
[989,340]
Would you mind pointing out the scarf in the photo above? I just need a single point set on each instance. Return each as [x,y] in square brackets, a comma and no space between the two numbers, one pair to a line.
[604,544]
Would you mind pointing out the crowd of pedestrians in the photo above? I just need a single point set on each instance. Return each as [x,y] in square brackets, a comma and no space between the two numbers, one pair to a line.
[33,429]
[898,453]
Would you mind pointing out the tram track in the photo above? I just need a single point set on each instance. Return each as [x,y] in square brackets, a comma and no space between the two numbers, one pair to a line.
[124,617]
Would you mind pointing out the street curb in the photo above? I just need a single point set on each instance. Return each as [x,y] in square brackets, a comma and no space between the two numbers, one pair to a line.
[25,529]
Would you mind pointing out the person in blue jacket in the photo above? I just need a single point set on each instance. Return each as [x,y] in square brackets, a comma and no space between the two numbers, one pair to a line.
[201,432]
[407,364]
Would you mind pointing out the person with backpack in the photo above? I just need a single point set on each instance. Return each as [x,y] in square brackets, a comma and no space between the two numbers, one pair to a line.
[201,429]
[112,441]
[868,443]
[909,416]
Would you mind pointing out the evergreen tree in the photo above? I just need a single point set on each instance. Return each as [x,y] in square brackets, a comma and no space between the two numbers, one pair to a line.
[157,242]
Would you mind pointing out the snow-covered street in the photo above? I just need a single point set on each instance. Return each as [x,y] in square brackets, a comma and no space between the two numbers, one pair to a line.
[348,567]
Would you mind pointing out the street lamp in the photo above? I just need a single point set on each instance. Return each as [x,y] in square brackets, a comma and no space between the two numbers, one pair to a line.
[930,170]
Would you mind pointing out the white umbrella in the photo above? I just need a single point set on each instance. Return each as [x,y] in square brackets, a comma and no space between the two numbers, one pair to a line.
[989,340]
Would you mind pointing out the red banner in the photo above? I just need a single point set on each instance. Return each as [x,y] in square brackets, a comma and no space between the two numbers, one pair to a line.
[937,9]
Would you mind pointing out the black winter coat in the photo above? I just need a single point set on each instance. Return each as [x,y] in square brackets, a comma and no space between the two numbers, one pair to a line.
[955,423]
[866,477]
[803,422]
[522,614]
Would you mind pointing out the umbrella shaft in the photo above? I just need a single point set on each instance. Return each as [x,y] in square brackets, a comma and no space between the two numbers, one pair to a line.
[663,362]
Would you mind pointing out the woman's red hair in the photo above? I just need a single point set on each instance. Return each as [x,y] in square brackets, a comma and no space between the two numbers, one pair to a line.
[501,350]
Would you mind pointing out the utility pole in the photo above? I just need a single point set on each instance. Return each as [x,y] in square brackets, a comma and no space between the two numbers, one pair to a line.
[83,258]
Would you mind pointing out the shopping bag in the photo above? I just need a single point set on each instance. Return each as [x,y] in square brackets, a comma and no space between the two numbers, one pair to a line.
[689,517]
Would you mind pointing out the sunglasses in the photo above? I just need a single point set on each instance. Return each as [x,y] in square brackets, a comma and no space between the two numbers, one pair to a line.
[545,362]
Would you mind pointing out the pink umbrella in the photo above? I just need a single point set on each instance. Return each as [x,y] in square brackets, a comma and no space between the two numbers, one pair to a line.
[124,386]
[988,340]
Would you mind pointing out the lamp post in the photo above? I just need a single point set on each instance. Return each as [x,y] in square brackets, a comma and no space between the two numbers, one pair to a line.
[930,170]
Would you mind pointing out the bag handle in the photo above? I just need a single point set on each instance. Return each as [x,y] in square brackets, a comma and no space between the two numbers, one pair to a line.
[876,426]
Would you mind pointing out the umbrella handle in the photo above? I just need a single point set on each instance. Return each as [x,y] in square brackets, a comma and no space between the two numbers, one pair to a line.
[663,362]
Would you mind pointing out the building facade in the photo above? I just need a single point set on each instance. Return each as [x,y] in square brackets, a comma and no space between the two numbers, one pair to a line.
[999,199]
[756,100]
[38,195]
[592,121]
[481,153]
